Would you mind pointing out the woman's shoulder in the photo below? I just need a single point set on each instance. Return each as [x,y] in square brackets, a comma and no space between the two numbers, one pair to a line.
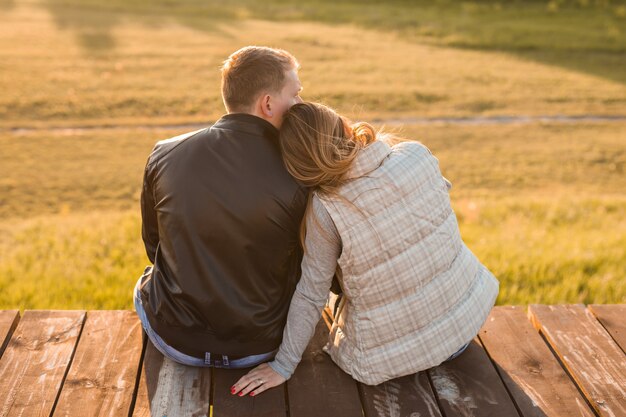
[412,146]
[412,149]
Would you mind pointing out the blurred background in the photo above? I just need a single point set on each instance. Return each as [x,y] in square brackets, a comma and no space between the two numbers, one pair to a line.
[523,102]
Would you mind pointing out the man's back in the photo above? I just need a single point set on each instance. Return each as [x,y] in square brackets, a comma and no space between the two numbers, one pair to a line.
[221,217]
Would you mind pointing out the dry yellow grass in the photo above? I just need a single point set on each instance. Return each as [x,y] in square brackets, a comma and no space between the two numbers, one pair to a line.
[168,72]
[543,205]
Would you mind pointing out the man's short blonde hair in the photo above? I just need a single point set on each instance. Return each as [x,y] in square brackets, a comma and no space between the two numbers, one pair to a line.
[252,71]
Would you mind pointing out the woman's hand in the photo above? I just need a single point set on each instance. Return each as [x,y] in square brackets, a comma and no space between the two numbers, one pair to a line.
[257,380]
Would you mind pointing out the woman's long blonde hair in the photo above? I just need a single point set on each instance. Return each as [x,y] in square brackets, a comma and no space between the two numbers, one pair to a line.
[319,147]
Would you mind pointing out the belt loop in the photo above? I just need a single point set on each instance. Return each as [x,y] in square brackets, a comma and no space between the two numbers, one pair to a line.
[207,358]
[225,360]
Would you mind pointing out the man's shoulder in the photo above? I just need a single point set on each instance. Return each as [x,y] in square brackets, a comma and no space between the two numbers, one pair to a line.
[165,146]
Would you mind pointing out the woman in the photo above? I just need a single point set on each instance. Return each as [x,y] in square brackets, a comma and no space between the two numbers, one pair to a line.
[380,218]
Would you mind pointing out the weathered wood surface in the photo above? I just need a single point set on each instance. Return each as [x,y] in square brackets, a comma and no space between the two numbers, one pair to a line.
[591,356]
[66,363]
[8,323]
[34,363]
[613,318]
[470,386]
[318,387]
[537,382]
[410,395]
[167,388]
[101,380]
[271,403]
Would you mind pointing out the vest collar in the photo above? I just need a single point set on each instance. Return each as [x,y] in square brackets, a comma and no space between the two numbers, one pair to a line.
[368,159]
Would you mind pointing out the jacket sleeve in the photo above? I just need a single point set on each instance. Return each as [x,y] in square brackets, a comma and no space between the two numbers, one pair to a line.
[149,224]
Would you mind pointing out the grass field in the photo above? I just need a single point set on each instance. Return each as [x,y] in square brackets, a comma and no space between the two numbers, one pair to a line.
[87,62]
[542,205]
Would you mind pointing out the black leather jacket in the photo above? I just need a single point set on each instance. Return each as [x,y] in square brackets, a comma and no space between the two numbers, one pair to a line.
[221,217]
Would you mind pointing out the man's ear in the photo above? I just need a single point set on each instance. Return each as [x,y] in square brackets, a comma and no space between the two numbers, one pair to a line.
[266,107]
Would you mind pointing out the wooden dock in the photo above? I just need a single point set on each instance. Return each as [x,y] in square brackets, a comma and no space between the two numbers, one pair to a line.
[541,360]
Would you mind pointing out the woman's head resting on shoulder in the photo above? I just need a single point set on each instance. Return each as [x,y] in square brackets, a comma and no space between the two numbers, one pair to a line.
[319,146]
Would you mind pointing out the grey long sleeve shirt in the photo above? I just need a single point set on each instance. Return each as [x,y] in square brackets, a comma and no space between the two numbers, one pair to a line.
[323,247]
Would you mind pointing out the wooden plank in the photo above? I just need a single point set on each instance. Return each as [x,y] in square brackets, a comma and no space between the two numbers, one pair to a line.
[35,361]
[408,396]
[613,318]
[101,380]
[318,387]
[167,388]
[593,359]
[470,386]
[533,376]
[270,403]
[8,323]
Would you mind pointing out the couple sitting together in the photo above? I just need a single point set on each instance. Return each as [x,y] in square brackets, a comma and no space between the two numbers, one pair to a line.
[250,222]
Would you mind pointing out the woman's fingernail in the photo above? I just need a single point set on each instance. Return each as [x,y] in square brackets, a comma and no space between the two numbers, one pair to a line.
[240,394]
[252,394]
[232,390]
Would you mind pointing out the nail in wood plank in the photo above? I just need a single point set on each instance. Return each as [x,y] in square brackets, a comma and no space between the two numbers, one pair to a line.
[409,395]
[170,389]
[318,387]
[534,377]
[8,323]
[613,319]
[591,356]
[35,361]
[470,386]
[102,376]
[270,403]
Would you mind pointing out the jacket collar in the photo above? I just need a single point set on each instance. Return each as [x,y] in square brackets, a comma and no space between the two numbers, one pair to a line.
[248,123]
[368,159]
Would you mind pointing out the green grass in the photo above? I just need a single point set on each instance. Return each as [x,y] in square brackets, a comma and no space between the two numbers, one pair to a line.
[567,250]
[542,251]
[71,262]
[541,205]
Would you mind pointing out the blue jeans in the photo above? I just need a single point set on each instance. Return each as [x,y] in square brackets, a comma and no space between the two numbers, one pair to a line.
[176,356]
[458,352]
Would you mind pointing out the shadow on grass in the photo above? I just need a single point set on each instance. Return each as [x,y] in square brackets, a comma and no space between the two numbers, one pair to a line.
[585,39]
[6,5]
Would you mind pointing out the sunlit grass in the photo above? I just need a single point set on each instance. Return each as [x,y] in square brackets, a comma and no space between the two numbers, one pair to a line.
[119,62]
[541,205]
[567,250]
[542,251]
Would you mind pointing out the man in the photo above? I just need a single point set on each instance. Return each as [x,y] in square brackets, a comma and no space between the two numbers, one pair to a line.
[221,217]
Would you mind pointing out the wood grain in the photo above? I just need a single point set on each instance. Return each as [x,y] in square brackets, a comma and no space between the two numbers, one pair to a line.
[470,386]
[613,319]
[35,361]
[318,387]
[591,356]
[101,380]
[168,389]
[533,376]
[8,323]
[270,403]
[408,396]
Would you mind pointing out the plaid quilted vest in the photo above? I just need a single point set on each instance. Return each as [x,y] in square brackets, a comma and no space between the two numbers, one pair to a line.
[414,293]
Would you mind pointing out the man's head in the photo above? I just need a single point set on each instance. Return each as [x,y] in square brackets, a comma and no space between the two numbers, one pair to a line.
[261,81]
